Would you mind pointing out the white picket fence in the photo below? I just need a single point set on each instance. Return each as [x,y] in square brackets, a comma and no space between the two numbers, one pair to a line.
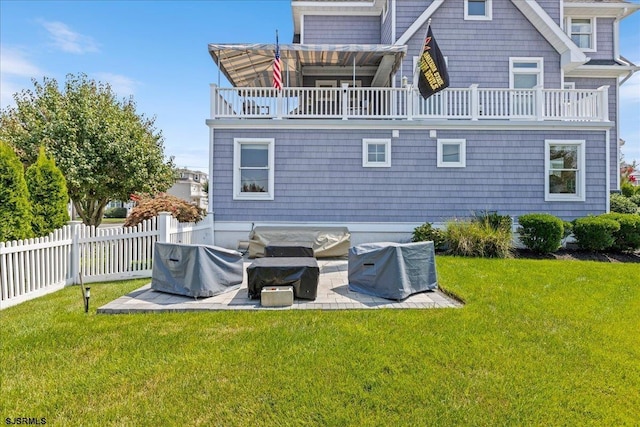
[35,267]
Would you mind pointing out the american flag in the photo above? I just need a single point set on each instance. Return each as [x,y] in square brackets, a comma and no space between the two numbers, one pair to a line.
[277,72]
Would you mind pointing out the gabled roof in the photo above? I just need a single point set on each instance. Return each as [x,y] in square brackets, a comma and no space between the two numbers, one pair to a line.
[571,55]
[250,65]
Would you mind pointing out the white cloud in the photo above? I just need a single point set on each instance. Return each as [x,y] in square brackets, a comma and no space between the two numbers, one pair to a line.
[16,70]
[67,40]
[122,85]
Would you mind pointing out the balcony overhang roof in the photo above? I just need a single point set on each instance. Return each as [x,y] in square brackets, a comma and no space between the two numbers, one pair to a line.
[251,65]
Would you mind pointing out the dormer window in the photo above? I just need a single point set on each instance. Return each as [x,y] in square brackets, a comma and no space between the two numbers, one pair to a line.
[477,10]
[582,33]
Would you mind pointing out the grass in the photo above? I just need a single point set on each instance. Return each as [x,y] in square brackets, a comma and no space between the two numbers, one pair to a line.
[539,342]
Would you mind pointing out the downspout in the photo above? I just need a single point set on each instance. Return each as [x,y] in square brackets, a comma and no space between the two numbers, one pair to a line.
[210,195]
[608,170]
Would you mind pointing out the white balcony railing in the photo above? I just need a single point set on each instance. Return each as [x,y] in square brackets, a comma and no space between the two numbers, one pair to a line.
[471,103]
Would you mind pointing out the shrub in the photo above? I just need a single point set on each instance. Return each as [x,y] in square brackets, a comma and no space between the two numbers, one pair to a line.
[541,232]
[595,233]
[150,207]
[627,189]
[15,209]
[627,239]
[622,204]
[478,239]
[636,198]
[426,232]
[48,195]
[494,220]
[115,213]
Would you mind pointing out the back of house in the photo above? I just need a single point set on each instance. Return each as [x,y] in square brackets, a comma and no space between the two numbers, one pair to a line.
[527,124]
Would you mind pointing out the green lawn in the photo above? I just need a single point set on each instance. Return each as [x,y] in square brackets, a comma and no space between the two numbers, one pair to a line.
[538,343]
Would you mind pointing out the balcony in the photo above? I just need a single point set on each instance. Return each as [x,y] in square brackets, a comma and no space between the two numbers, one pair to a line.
[348,103]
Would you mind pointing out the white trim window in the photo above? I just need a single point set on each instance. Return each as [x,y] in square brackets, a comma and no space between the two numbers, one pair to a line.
[479,10]
[376,153]
[526,73]
[452,153]
[582,33]
[253,168]
[564,170]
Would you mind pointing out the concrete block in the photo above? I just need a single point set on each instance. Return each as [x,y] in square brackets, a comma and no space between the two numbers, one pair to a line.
[276,296]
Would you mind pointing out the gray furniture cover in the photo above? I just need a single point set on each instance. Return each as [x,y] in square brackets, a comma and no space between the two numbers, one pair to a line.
[326,242]
[195,270]
[392,270]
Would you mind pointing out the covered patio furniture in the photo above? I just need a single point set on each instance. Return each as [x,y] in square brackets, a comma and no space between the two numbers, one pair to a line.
[195,270]
[302,273]
[392,270]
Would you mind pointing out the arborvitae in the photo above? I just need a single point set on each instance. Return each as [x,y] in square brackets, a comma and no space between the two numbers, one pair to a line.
[48,195]
[15,210]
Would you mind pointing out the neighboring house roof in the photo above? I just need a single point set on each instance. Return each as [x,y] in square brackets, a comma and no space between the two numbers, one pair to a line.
[250,65]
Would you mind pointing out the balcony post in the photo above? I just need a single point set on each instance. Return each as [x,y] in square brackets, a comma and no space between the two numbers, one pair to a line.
[475,102]
[345,100]
[410,100]
[604,103]
[539,103]
[279,104]
[214,96]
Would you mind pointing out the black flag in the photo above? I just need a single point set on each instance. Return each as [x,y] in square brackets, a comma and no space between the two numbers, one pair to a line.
[433,70]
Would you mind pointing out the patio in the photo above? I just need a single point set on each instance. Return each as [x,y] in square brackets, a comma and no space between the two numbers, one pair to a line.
[333,294]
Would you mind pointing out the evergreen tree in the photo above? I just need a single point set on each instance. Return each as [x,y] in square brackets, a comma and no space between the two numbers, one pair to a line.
[15,211]
[48,195]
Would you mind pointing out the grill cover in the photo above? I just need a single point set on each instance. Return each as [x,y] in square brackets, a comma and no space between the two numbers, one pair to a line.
[301,273]
[195,270]
[288,249]
[392,270]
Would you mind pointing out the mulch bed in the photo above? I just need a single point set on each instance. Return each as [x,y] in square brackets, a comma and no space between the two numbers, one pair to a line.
[566,254]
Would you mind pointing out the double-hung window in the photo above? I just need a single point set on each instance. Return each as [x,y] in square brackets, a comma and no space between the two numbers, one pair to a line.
[253,168]
[376,153]
[564,170]
[477,10]
[582,32]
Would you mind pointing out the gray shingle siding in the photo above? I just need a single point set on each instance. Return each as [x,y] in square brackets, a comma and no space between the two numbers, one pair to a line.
[479,51]
[604,39]
[586,83]
[319,176]
[341,29]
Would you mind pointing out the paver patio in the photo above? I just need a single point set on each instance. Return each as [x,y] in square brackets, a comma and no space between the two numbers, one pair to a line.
[333,294]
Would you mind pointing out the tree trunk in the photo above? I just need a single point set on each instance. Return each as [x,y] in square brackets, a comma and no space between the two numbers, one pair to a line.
[91,210]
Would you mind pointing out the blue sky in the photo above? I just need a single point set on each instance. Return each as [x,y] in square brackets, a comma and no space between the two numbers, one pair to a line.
[157,52]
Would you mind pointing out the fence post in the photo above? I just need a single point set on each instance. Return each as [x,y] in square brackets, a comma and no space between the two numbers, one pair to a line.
[164,227]
[74,271]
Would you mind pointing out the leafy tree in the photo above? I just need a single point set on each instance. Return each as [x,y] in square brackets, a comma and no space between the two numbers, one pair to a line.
[15,211]
[150,207]
[105,149]
[48,195]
